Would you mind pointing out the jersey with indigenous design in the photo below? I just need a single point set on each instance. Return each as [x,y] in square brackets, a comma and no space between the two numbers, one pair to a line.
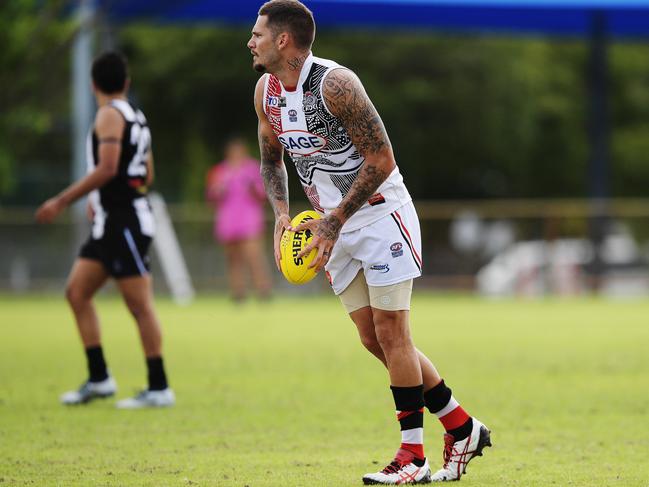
[326,160]
[124,196]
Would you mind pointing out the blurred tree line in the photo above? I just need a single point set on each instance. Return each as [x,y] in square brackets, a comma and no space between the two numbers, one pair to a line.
[35,41]
[469,116]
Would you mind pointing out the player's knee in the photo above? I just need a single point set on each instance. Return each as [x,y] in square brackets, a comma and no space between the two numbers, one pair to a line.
[390,340]
[371,343]
[390,332]
[137,308]
[76,296]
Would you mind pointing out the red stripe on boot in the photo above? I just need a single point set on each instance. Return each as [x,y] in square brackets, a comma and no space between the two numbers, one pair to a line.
[454,419]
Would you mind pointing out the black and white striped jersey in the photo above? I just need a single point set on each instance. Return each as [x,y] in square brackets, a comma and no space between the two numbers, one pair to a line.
[125,194]
[326,160]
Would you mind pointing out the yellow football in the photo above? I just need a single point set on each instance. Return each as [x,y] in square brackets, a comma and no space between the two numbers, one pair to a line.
[296,269]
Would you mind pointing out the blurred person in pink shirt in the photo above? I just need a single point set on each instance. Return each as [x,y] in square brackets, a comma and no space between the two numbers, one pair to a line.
[236,190]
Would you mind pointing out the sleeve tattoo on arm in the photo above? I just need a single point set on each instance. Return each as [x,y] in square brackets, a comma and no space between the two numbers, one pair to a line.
[347,100]
[273,174]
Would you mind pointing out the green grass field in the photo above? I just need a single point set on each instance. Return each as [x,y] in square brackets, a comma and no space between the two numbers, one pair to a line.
[283,394]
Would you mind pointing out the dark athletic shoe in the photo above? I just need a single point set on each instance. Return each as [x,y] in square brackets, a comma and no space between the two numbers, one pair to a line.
[90,391]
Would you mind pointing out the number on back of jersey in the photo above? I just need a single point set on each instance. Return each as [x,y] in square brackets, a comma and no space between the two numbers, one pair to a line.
[141,138]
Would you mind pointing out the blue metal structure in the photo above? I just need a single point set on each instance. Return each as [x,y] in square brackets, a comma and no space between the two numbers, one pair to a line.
[624,18]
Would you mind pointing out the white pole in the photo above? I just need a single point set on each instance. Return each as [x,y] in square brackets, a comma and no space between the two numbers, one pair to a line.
[170,254]
[82,103]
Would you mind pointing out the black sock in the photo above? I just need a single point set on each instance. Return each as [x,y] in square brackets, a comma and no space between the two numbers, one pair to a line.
[157,376]
[409,399]
[96,364]
[438,397]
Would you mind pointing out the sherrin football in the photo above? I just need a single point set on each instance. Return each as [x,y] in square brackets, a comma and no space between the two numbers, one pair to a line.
[296,269]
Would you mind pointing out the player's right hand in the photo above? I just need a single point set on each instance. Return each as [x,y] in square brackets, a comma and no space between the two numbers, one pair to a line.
[282,222]
[49,210]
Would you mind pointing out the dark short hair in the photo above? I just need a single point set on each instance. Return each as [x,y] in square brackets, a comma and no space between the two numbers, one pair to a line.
[110,72]
[293,17]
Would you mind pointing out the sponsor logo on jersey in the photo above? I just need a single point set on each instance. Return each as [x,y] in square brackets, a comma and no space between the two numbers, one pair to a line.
[396,249]
[292,115]
[309,102]
[376,199]
[277,101]
[301,142]
[382,268]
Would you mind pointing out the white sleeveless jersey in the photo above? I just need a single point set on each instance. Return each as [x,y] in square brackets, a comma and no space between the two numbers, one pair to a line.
[326,160]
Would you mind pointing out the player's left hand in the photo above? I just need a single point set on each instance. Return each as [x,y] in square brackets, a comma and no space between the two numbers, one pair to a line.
[325,234]
[49,210]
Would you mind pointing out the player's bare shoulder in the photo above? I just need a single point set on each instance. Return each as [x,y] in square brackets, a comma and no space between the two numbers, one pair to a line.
[271,149]
[259,95]
[109,122]
[346,98]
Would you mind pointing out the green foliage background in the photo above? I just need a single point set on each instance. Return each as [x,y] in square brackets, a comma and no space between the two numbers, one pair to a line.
[35,42]
[469,117]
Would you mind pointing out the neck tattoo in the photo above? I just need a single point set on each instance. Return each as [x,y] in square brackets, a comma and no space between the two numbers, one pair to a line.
[296,63]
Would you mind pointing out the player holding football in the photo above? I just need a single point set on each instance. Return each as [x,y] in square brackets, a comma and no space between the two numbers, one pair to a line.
[120,168]
[368,240]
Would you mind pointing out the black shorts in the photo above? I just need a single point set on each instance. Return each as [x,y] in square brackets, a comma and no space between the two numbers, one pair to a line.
[122,249]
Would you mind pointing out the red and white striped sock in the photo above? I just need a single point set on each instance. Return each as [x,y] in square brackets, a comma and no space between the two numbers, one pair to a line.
[456,421]
[452,416]
[412,439]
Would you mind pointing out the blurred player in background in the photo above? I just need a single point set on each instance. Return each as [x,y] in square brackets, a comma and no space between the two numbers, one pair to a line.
[369,239]
[235,188]
[120,168]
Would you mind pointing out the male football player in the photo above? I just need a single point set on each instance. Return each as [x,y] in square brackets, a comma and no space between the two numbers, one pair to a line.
[368,240]
[120,168]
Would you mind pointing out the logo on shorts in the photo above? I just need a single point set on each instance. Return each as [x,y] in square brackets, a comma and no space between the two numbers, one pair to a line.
[397,249]
[292,115]
[382,268]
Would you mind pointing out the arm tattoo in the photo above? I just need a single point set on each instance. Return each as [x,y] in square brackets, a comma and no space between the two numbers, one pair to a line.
[329,227]
[270,154]
[367,182]
[347,100]
[274,174]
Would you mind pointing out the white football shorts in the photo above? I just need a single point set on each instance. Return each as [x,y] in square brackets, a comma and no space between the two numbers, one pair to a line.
[388,251]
